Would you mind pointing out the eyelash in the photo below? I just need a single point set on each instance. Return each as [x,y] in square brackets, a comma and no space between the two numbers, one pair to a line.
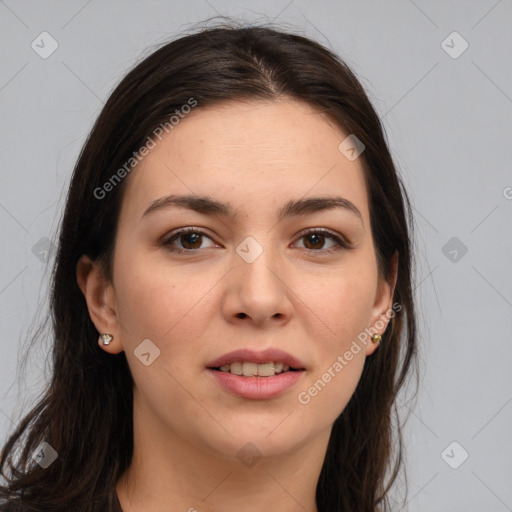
[341,243]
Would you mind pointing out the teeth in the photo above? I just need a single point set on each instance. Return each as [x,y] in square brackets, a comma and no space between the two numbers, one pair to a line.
[254,369]
[250,369]
[236,368]
[265,370]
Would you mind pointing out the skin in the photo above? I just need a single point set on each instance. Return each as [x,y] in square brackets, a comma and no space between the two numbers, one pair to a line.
[295,296]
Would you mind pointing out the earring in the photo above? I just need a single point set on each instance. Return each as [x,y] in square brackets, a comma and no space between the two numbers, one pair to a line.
[376,338]
[106,338]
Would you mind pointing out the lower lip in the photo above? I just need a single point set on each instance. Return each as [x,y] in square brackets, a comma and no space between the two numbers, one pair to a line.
[256,388]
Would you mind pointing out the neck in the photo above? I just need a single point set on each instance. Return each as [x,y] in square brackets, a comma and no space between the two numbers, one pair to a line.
[167,469]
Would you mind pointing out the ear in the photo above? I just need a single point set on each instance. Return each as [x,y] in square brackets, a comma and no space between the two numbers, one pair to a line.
[100,298]
[382,311]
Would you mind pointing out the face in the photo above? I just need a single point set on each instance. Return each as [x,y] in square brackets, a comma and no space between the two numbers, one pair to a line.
[249,274]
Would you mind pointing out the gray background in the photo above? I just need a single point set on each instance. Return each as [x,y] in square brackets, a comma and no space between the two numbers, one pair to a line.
[448,121]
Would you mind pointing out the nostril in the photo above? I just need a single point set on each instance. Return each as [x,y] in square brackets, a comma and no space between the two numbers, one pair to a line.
[241,315]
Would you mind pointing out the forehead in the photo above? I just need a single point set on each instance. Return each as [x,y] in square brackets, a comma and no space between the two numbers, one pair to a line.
[243,150]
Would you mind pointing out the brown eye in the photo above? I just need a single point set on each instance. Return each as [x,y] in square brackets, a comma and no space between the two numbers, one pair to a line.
[189,240]
[314,241]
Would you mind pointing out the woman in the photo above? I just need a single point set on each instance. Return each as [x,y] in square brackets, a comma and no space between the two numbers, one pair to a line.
[232,304]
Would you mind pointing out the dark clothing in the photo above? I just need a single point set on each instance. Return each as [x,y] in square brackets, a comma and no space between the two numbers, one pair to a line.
[17,507]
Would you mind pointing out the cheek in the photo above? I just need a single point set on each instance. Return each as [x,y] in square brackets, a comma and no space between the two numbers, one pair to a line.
[344,306]
[158,301]
[343,302]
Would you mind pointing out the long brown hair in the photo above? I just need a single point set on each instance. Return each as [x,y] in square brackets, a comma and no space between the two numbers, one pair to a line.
[85,413]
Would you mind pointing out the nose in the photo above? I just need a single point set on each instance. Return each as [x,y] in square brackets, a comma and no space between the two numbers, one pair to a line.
[258,290]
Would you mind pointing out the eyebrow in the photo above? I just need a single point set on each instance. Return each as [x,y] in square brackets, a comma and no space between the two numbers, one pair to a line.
[208,206]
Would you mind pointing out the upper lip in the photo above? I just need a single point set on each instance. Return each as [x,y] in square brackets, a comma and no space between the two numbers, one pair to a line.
[253,356]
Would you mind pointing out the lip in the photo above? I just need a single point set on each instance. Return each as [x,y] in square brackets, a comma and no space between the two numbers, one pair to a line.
[256,388]
[252,356]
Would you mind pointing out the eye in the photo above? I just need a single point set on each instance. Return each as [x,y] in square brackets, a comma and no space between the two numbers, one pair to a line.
[315,241]
[189,238]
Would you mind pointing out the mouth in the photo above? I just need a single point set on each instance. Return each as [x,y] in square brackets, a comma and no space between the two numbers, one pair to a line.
[247,362]
[252,369]
[263,379]
[256,374]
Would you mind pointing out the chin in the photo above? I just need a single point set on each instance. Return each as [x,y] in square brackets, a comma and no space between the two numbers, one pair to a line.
[265,438]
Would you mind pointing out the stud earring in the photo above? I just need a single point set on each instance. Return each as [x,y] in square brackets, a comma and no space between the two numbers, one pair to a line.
[106,338]
[376,338]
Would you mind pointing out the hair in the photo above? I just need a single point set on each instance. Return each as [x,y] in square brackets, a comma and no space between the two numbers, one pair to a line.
[85,412]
